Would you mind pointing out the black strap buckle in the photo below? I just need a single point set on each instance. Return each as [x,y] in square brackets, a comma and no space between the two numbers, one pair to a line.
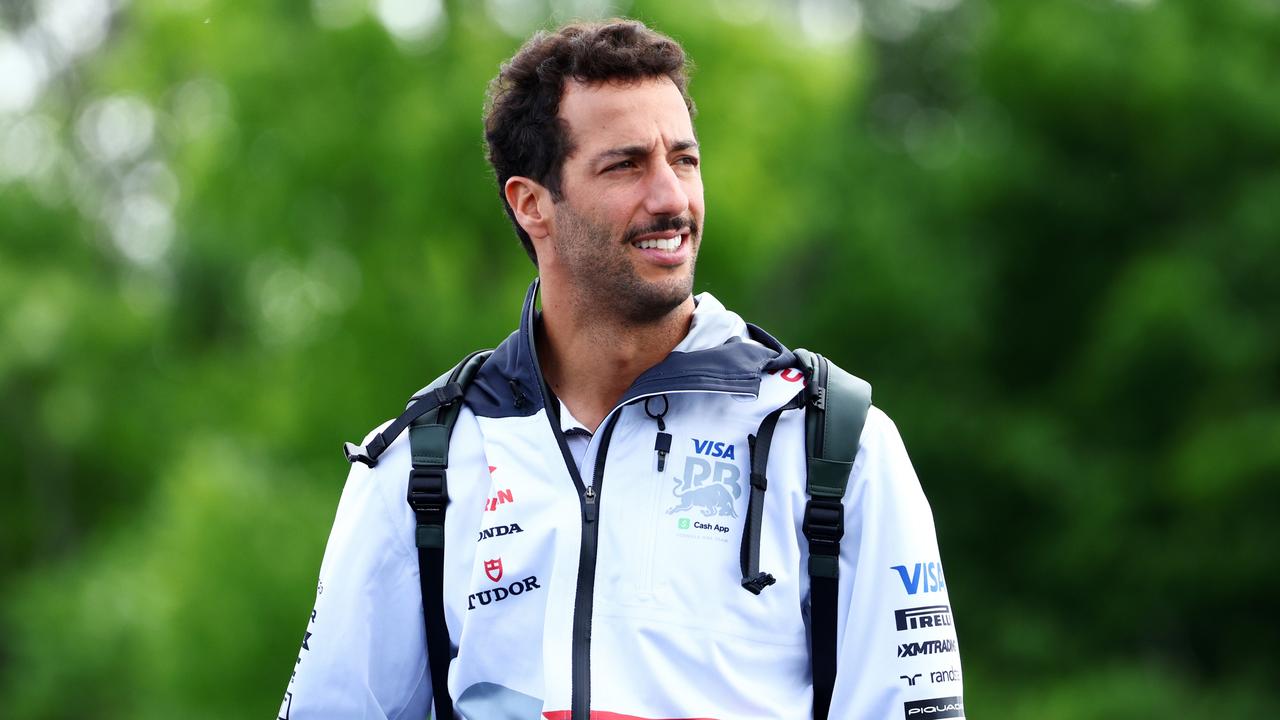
[357,453]
[367,454]
[758,583]
[824,525]
[448,394]
[427,493]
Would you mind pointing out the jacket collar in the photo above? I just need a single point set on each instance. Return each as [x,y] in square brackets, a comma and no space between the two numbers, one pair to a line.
[721,353]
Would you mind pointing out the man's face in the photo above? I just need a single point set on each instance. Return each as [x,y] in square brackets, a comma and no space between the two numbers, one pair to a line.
[626,233]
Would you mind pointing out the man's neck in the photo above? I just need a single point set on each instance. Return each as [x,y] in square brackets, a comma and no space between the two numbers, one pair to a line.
[589,362]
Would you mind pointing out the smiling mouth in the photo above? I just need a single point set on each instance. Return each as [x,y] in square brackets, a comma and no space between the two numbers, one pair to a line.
[670,244]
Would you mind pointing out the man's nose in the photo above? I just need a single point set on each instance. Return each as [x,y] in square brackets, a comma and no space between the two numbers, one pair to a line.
[666,193]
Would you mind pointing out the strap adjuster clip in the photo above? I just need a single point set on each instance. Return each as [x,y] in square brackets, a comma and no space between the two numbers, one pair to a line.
[427,495]
[824,524]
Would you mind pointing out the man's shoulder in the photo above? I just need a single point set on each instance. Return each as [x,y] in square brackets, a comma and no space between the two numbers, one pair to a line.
[879,430]
[388,476]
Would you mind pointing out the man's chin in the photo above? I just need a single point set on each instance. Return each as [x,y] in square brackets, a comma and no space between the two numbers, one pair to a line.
[657,300]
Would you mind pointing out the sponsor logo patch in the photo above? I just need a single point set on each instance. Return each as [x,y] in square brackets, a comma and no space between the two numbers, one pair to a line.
[686,527]
[499,531]
[938,676]
[713,448]
[927,647]
[496,595]
[710,484]
[503,497]
[789,374]
[493,569]
[929,616]
[306,647]
[921,577]
[934,708]
[946,676]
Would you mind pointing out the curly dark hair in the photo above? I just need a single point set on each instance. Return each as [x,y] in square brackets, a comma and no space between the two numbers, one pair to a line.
[522,129]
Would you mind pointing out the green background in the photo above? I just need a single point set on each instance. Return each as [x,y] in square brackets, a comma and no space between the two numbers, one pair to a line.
[235,234]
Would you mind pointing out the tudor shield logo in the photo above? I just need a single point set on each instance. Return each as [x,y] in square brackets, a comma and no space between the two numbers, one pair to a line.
[493,569]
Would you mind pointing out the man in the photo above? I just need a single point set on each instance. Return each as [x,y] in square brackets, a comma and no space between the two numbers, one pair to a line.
[598,471]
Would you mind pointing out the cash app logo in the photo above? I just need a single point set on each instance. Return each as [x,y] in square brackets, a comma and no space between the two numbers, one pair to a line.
[683,524]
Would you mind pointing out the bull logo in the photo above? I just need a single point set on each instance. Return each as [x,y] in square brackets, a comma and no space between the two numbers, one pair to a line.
[710,486]
[493,569]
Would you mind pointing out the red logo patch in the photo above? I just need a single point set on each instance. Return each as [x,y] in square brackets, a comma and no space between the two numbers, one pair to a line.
[493,569]
[792,375]
[502,498]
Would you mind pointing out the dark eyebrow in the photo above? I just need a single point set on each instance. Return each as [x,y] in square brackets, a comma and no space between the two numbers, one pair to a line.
[632,151]
[626,151]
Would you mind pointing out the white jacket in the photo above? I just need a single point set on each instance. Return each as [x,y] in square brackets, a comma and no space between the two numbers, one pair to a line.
[664,628]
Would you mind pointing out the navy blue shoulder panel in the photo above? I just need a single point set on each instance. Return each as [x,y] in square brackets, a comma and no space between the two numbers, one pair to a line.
[492,392]
[509,384]
[732,367]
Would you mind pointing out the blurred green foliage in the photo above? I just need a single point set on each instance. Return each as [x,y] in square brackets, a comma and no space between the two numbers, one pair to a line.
[234,234]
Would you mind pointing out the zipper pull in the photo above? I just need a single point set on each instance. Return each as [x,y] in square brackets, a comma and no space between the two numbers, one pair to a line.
[662,443]
[662,446]
[590,510]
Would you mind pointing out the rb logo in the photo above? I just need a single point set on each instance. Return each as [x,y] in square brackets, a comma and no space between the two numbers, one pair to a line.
[711,486]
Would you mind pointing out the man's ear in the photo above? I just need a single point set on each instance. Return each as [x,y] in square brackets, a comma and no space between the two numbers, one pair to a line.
[531,203]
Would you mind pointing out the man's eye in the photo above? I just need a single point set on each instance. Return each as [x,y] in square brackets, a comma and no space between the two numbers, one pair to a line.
[689,160]
[624,165]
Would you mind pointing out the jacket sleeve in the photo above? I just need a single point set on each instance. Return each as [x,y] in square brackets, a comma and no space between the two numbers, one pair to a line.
[897,652]
[363,654]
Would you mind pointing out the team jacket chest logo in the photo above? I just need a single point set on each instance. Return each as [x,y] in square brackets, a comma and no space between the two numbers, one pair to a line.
[503,497]
[499,531]
[710,481]
[493,571]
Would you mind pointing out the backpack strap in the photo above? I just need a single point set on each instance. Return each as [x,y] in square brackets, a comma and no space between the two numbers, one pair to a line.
[837,409]
[752,579]
[429,417]
[422,403]
[428,496]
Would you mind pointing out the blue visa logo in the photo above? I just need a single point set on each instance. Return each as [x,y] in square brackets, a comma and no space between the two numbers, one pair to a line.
[921,577]
[713,448]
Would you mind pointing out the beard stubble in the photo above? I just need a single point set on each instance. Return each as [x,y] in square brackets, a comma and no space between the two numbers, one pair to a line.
[605,281]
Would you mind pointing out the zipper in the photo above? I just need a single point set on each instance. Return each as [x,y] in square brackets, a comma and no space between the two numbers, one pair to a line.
[585,597]
[819,393]
[588,498]
[589,505]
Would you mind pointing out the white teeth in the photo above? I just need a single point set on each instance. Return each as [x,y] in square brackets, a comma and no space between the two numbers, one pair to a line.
[667,244]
